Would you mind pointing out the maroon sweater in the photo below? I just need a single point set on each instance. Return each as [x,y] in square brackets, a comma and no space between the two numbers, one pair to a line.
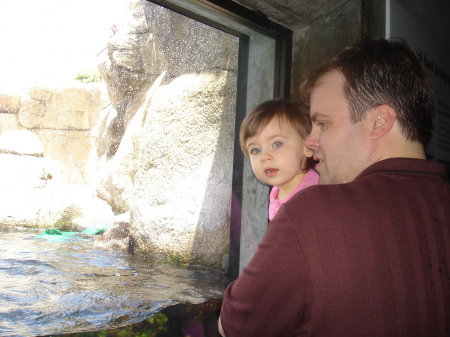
[367,258]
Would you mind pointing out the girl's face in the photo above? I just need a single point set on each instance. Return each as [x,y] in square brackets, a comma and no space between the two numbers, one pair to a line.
[276,156]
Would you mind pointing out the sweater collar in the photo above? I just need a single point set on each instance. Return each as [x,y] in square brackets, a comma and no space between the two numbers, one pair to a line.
[406,165]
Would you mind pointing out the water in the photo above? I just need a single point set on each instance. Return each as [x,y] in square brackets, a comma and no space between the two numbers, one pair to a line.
[63,285]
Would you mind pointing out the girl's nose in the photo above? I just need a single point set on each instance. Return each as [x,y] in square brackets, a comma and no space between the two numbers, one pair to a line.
[266,155]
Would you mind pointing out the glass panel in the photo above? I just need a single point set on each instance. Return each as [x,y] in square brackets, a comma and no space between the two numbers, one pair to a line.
[182,183]
[263,73]
[123,123]
[145,134]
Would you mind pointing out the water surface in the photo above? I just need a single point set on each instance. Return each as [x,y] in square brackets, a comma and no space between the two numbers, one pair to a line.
[54,285]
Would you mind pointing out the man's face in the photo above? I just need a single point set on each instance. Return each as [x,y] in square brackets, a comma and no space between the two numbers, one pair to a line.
[339,146]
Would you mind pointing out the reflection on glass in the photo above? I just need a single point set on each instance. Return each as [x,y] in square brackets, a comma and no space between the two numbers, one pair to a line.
[116,113]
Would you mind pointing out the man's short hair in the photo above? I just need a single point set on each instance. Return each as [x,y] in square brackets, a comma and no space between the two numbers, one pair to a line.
[382,72]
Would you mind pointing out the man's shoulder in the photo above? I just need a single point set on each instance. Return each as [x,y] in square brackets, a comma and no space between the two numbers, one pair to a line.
[390,177]
[315,196]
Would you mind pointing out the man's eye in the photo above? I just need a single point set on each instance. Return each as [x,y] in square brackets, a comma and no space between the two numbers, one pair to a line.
[255,151]
[322,124]
[277,144]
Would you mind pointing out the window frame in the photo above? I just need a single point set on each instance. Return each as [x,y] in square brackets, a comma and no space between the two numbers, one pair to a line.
[233,18]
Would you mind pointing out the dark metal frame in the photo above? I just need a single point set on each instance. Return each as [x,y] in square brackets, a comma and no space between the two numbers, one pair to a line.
[283,56]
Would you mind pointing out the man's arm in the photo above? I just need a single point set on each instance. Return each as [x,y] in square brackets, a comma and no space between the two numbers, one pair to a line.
[269,297]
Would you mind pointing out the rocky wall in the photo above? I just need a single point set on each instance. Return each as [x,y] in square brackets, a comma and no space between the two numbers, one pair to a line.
[62,118]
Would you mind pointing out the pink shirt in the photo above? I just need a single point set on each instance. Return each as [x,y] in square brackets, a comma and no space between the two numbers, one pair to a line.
[310,178]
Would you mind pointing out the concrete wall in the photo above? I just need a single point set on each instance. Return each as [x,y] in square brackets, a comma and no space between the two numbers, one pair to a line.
[310,46]
[322,38]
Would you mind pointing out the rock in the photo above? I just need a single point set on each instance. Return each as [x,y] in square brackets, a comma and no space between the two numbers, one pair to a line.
[21,142]
[31,193]
[198,48]
[93,212]
[116,174]
[116,238]
[62,118]
[71,148]
[182,181]
[133,60]
[9,122]
[34,193]
[164,147]
[61,108]
[160,152]
[31,172]
[9,103]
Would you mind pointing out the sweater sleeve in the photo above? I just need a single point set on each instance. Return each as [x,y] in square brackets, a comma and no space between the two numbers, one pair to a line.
[270,296]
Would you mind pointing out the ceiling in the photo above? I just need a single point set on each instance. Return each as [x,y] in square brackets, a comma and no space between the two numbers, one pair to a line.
[433,14]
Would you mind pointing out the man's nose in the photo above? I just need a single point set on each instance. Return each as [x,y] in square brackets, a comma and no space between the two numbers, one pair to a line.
[311,141]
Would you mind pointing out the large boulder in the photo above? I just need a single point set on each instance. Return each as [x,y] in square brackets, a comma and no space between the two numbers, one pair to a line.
[115,175]
[182,180]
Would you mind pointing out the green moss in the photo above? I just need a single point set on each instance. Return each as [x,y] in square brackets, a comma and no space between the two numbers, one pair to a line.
[178,259]
[155,326]
[65,222]
[88,76]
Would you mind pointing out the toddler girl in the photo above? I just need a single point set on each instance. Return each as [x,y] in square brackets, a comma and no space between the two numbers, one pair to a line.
[272,137]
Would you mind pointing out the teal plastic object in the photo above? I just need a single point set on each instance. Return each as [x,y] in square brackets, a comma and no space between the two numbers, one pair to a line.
[94,231]
[53,234]
[52,231]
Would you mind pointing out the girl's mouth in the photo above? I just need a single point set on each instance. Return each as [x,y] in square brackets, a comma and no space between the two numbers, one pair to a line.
[271,172]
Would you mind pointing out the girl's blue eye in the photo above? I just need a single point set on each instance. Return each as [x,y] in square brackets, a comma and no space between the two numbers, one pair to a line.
[255,151]
[277,144]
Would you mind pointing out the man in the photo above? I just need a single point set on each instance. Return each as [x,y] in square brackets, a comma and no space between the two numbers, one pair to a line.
[367,252]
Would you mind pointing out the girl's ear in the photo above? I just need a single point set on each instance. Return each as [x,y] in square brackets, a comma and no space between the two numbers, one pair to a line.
[307,152]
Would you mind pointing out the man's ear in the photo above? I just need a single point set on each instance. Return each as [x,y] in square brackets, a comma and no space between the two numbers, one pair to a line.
[381,120]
